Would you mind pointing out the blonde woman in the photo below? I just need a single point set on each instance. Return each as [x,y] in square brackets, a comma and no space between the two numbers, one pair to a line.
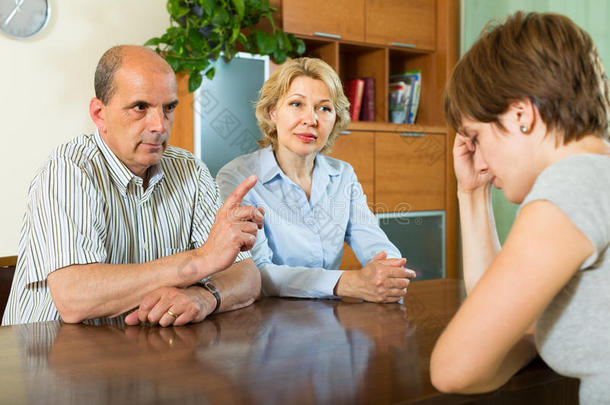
[313,203]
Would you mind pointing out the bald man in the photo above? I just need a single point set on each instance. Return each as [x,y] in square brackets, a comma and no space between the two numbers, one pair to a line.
[119,221]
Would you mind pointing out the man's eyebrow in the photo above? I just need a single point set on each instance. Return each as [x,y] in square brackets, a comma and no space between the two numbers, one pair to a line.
[172,104]
[138,102]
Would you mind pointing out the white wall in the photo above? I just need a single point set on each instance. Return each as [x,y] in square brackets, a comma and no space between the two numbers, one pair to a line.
[46,83]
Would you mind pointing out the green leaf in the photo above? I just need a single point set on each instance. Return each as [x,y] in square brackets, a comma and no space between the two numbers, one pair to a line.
[279,39]
[216,37]
[176,10]
[279,56]
[264,42]
[175,32]
[197,41]
[178,47]
[203,64]
[240,7]
[152,42]
[195,81]
[221,17]
[234,34]
[174,63]
[210,73]
[195,64]
[208,6]
[300,46]
[288,44]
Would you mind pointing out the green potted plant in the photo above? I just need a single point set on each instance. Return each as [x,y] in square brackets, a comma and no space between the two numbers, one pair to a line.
[200,30]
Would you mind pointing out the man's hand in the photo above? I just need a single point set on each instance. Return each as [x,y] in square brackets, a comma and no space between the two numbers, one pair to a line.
[234,229]
[381,280]
[168,306]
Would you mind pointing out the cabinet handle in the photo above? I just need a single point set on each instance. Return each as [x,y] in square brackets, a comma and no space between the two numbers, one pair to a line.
[345,132]
[412,134]
[325,35]
[402,45]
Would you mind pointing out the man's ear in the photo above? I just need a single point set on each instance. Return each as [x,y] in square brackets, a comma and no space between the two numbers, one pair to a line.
[522,114]
[98,114]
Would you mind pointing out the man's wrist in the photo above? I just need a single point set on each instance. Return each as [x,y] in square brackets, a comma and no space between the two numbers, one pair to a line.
[211,290]
[206,263]
[207,299]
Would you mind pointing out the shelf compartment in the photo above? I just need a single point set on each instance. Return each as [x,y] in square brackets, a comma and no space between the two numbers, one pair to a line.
[356,61]
[327,50]
[430,110]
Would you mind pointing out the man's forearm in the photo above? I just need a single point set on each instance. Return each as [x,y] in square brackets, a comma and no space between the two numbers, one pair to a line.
[105,290]
[238,286]
[480,244]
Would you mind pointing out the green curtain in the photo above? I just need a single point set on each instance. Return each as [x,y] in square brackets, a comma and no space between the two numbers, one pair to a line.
[591,15]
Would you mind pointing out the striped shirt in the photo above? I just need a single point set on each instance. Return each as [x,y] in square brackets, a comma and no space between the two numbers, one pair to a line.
[85,206]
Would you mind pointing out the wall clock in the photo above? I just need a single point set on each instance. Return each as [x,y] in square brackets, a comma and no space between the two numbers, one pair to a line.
[23,18]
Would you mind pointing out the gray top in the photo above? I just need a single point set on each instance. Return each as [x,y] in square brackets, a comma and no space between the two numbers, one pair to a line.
[573,333]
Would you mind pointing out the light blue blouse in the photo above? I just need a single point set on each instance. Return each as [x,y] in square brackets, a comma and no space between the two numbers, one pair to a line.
[299,250]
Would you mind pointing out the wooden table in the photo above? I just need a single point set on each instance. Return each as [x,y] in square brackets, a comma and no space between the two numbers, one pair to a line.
[277,351]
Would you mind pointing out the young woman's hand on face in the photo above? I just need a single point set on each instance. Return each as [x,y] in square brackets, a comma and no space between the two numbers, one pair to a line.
[470,169]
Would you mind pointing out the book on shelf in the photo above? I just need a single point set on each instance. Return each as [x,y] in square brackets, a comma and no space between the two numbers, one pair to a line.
[354,89]
[367,112]
[405,108]
[399,95]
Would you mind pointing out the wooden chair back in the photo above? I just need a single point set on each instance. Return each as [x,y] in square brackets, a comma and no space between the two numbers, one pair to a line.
[7,270]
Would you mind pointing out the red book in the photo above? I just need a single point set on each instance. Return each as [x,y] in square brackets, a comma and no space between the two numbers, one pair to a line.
[367,112]
[354,91]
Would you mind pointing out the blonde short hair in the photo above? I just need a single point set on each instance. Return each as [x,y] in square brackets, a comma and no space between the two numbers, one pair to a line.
[278,84]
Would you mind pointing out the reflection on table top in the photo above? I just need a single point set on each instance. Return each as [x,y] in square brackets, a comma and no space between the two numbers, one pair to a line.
[275,351]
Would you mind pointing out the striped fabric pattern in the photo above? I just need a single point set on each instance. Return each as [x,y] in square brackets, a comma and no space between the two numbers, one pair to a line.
[85,206]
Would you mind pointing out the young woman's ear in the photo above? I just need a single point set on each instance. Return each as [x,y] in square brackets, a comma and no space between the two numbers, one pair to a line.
[522,114]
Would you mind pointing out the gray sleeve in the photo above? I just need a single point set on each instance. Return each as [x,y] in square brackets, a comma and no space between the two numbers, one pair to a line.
[580,187]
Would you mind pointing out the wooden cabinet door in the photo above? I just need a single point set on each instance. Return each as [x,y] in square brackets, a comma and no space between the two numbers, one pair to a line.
[336,17]
[357,149]
[409,172]
[349,261]
[406,22]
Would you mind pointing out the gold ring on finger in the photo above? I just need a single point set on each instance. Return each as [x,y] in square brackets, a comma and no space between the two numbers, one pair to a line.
[170,313]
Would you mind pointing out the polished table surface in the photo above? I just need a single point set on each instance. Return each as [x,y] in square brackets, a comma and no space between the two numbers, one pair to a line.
[277,351]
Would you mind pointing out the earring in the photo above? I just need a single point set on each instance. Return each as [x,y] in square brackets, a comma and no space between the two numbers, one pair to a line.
[523,129]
